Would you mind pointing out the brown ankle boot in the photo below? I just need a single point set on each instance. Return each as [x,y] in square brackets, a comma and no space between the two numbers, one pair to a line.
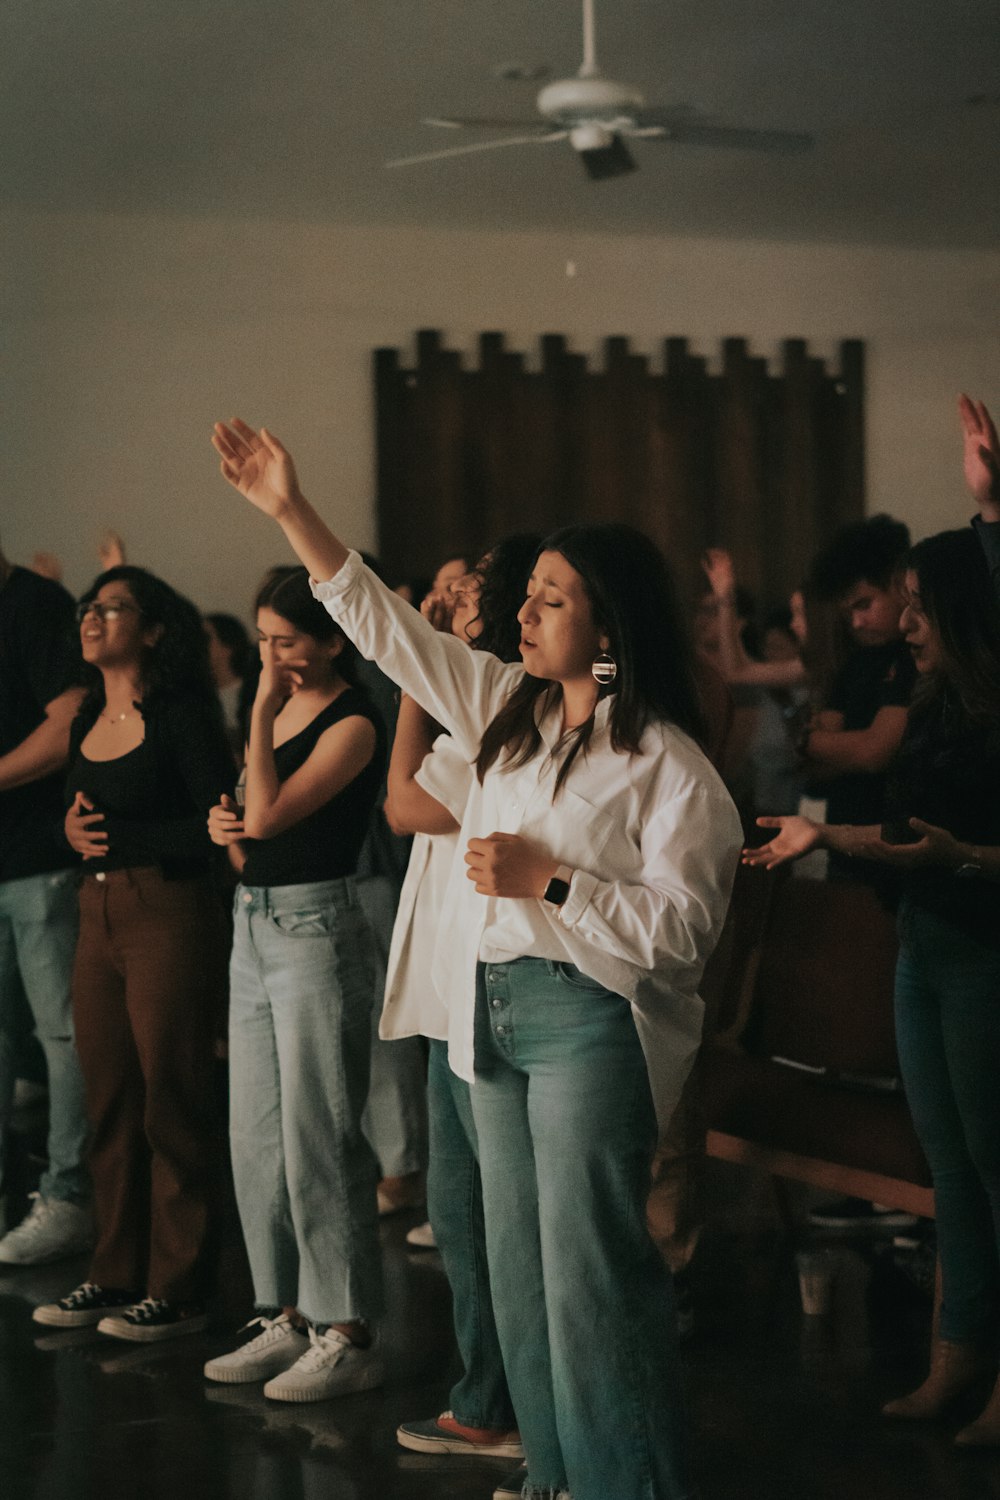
[984,1432]
[954,1367]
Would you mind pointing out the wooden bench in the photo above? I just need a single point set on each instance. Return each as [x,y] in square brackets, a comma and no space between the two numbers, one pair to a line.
[804,973]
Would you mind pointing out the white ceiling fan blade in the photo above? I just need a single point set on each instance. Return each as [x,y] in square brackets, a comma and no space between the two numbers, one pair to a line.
[524,140]
[732,137]
[481,122]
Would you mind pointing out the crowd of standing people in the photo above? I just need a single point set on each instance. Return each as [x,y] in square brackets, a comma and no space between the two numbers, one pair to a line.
[573,852]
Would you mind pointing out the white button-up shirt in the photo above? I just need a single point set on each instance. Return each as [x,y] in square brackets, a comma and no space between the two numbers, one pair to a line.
[412,1004]
[652,838]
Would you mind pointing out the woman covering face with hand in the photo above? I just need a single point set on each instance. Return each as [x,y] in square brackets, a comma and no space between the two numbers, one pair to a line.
[301,992]
[599,851]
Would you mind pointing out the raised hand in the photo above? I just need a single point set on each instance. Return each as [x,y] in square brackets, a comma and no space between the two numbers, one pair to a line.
[257,465]
[980,456]
[796,836]
[111,550]
[719,570]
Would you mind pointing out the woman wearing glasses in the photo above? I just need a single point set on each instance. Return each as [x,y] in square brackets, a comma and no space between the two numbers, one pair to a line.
[148,758]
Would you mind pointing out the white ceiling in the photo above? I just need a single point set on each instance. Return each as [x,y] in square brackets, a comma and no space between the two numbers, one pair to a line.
[288,110]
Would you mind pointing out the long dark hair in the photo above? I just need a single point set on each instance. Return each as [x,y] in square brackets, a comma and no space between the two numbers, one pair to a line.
[232,633]
[176,664]
[634,603]
[286,591]
[958,597]
[503,581]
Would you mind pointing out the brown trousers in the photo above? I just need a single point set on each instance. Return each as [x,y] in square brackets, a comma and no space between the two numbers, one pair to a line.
[145,993]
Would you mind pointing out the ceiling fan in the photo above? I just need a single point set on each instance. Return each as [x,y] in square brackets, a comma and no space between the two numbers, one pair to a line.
[596,115]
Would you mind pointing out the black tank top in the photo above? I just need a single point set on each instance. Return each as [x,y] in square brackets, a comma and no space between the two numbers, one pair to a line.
[326,844]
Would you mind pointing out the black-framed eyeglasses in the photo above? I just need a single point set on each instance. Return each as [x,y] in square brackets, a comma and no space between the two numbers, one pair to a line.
[104,611]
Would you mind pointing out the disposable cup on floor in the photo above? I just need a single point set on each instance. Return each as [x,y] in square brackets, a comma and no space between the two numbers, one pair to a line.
[816,1270]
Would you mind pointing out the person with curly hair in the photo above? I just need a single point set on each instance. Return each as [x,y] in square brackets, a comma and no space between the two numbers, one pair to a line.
[148,758]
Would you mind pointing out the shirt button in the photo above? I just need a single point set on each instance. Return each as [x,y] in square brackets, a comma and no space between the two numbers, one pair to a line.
[247,897]
[101,875]
[496,1004]
[501,1031]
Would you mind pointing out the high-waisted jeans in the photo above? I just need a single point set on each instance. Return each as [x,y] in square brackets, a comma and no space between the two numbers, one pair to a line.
[948,1037]
[584,1304]
[299,1045]
[480,1398]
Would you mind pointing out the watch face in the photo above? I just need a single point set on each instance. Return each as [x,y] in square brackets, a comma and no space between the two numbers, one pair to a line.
[556,891]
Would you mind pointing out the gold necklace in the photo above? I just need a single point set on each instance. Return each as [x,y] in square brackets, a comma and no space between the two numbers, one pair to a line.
[117,718]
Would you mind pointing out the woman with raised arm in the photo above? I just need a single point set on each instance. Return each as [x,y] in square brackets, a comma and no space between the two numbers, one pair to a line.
[301,993]
[148,757]
[600,849]
[942,832]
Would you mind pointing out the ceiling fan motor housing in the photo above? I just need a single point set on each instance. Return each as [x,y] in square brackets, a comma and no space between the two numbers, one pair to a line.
[580,101]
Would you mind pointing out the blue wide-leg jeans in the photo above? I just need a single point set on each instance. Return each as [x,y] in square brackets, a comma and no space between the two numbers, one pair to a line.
[299,1048]
[584,1305]
[948,1038]
[480,1398]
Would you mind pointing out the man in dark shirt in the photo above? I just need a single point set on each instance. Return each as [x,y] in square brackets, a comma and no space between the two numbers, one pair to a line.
[857,734]
[38,898]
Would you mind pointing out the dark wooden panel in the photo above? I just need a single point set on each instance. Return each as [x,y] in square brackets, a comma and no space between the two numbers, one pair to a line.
[765,462]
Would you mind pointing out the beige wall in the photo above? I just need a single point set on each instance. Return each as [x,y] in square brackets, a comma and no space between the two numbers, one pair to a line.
[127,337]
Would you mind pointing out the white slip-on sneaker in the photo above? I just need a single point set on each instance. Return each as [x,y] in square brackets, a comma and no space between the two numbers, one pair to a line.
[53,1229]
[331,1366]
[278,1345]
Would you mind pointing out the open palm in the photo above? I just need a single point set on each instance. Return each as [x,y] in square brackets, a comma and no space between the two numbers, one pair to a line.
[256,464]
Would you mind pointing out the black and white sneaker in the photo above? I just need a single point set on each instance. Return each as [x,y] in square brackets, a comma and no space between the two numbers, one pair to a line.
[154,1318]
[89,1304]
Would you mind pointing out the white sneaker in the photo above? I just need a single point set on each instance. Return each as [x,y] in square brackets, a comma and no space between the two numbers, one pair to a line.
[54,1229]
[278,1345]
[331,1366]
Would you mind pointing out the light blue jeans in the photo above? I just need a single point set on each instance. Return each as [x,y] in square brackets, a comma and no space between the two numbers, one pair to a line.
[948,1038]
[299,1044]
[395,1119]
[455,1205]
[584,1304]
[38,927]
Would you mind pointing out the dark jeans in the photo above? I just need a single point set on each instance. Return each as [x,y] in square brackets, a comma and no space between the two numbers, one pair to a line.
[148,964]
[948,1035]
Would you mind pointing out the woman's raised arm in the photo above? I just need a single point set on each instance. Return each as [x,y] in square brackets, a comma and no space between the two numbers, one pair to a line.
[257,465]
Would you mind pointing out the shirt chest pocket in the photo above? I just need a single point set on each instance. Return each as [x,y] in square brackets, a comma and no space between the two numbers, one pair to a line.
[573,831]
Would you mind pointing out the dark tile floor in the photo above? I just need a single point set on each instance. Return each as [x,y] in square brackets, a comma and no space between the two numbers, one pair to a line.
[783,1408]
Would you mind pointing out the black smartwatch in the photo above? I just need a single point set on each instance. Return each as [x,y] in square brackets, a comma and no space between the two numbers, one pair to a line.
[558,887]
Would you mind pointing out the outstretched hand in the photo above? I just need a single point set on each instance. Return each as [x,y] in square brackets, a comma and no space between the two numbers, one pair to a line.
[257,465]
[981,456]
[796,836]
[936,848]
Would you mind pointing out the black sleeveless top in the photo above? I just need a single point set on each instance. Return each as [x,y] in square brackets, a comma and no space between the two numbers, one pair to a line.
[326,844]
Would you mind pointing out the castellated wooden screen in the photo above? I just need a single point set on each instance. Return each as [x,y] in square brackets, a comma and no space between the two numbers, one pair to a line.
[764,460]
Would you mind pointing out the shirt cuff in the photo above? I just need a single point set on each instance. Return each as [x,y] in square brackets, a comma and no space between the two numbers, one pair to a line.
[581,888]
[331,590]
